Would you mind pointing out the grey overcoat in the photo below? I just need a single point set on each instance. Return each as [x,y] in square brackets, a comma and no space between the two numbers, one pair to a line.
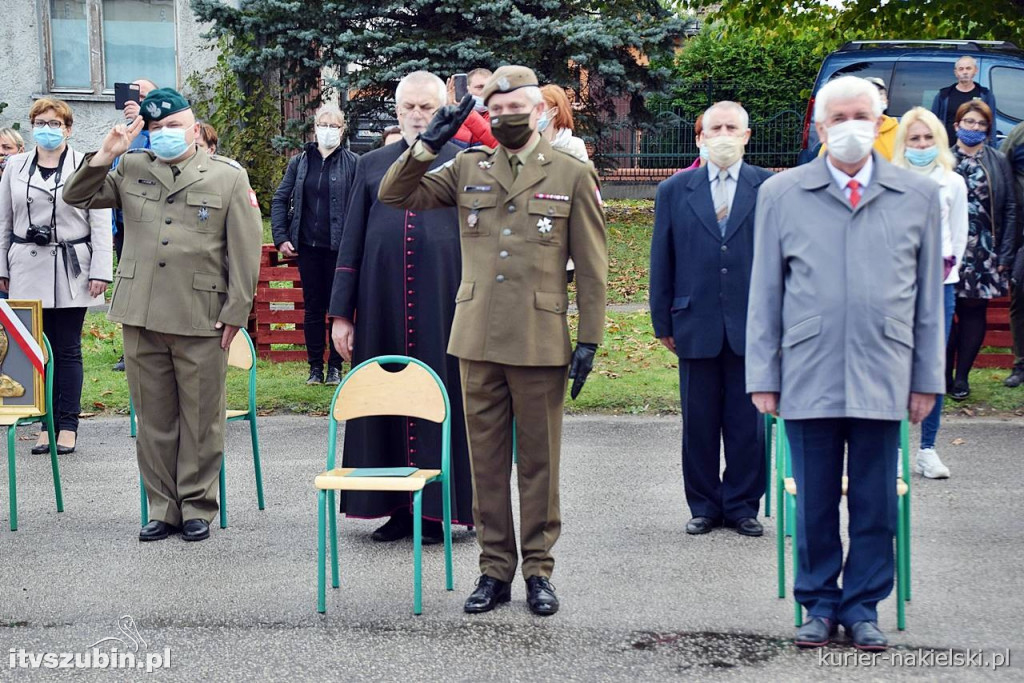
[845,316]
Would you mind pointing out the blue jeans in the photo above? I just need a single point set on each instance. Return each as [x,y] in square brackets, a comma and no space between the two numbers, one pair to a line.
[930,425]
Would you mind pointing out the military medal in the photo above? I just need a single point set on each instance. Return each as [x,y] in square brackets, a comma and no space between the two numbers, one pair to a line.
[540,157]
[471,219]
[204,213]
[544,225]
[552,197]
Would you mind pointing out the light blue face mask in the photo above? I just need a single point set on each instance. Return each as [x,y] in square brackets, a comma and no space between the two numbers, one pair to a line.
[922,157]
[48,138]
[478,104]
[703,152]
[543,122]
[168,143]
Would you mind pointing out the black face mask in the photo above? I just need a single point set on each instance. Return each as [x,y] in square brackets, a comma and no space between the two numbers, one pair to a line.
[512,130]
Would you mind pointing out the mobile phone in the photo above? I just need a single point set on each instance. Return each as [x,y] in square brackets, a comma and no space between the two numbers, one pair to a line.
[125,92]
[461,86]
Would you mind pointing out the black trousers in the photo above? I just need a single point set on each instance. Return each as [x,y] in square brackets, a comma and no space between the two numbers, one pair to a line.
[1017,323]
[316,269]
[63,327]
[966,337]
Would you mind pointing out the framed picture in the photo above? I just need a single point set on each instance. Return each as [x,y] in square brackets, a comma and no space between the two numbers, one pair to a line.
[22,385]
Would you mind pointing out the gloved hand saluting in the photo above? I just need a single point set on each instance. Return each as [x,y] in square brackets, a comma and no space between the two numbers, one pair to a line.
[446,123]
[580,366]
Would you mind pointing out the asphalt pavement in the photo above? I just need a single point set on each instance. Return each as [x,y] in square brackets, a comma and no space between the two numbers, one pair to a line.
[641,600]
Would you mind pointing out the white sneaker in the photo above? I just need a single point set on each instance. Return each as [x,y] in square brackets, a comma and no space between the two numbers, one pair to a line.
[929,465]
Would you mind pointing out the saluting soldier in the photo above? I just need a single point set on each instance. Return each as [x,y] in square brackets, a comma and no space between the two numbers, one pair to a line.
[183,287]
[524,209]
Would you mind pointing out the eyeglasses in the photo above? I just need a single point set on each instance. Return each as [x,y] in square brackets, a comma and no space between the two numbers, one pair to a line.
[332,126]
[38,123]
[974,123]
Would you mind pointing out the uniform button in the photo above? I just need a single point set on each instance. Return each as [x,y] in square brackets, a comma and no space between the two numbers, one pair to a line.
[143,194]
[724,248]
[53,252]
[165,242]
[500,278]
[558,308]
[167,221]
[724,271]
[33,252]
[162,264]
[506,232]
[503,254]
[170,200]
[476,203]
[551,211]
[511,208]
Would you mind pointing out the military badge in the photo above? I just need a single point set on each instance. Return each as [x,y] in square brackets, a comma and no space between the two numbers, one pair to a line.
[485,164]
[154,110]
[544,225]
[471,219]
[204,214]
[503,84]
[540,157]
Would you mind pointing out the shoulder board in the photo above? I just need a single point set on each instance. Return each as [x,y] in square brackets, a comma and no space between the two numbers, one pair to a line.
[139,150]
[442,166]
[479,149]
[226,160]
[569,154]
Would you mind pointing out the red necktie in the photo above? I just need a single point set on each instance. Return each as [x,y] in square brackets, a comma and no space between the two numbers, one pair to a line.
[854,186]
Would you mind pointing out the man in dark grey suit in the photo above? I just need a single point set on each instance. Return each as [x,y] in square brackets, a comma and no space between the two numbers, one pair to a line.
[844,336]
[701,255]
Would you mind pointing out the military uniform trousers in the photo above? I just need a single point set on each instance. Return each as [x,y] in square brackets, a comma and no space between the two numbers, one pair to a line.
[177,384]
[492,393]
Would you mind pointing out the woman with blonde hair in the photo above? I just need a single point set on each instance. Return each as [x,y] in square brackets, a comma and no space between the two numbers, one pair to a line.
[556,123]
[11,143]
[922,146]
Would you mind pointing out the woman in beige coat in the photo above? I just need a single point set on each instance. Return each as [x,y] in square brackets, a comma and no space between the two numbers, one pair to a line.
[55,253]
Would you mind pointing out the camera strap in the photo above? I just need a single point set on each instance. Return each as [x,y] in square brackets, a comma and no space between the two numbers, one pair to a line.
[56,186]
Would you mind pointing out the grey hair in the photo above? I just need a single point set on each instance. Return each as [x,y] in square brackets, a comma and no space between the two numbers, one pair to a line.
[329,109]
[734,106]
[969,58]
[426,78]
[846,88]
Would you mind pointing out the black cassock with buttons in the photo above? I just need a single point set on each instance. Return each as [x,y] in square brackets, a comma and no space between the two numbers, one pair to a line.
[396,279]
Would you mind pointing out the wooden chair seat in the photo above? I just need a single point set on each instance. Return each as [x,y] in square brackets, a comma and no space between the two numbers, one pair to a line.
[338,480]
[11,420]
[901,486]
[235,413]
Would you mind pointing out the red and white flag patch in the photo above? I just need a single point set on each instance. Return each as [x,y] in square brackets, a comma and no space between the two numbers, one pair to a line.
[252,200]
[21,336]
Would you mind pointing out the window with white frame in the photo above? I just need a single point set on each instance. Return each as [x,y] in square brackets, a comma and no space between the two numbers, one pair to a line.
[96,43]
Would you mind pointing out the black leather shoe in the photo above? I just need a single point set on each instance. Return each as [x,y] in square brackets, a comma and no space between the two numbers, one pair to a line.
[119,365]
[433,532]
[39,449]
[1015,379]
[700,525]
[867,636]
[156,531]
[195,530]
[396,528]
[333,376]
[816,632]
[316,375]
[540,596]
[961,390]
[748,526]
[490,592]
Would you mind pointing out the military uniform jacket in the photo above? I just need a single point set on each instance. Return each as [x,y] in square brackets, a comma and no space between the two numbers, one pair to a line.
[516,236]
[191,245]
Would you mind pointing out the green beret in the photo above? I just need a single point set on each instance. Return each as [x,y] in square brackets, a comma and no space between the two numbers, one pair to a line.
[508,78]
[161,103]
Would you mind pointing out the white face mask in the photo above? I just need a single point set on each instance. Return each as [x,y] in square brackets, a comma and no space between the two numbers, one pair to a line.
[725,150]
[328,138]
[851,141]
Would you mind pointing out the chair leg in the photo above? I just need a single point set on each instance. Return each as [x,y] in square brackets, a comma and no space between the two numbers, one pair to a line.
[321,568]
[132,429]
[768,424]
[446,486]
[58,490]
[12,483]
[143,502]
[417,551]
[780,540]
[223,492]
[332,512]
[901,579]
[256,459]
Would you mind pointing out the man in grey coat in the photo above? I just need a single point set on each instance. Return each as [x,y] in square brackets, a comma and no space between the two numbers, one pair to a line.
[844,336]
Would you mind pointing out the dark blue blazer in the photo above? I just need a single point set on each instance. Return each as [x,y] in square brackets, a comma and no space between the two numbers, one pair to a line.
[700,279]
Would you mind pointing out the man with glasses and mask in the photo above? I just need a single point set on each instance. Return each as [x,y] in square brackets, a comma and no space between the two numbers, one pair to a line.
[524,209]
[183,288]
[844,338]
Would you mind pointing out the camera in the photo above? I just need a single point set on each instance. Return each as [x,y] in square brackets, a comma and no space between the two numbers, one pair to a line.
[39,234]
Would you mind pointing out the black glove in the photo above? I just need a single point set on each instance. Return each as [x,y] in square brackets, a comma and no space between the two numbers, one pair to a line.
[580,366]
[446,123]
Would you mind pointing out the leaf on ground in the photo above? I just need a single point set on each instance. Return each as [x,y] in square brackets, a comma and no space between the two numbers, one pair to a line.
[106,392]
[958,442]
[99,405]
[317,413]
[88,414]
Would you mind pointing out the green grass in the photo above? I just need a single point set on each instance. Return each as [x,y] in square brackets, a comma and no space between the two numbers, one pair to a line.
[630,223]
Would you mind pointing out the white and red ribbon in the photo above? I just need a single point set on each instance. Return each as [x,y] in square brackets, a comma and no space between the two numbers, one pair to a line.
[22,336]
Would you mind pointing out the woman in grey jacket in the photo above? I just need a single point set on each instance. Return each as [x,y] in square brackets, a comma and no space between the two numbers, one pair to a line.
[55,253]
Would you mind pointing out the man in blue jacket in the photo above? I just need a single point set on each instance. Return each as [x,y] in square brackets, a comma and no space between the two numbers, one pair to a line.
[949,99]
[701,257]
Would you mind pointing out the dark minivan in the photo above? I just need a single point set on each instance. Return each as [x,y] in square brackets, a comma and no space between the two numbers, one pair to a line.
[915,70]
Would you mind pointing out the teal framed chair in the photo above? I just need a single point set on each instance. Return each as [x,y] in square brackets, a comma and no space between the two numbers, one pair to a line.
[786,492]
[769,425]
[12,422]
[369,390]
[241,355]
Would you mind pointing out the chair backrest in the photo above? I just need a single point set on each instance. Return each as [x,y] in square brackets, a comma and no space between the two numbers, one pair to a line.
[241,353]
[369,389]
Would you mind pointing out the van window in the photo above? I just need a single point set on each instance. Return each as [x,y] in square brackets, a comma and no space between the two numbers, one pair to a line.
[880,69]
[915,84]
[1008,88]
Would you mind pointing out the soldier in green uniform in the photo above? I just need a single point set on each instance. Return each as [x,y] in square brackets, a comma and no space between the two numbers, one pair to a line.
[183,287]
[524,209]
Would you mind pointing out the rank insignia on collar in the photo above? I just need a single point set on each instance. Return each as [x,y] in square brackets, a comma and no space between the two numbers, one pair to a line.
[544,225]
[204,214]
[485,164]
[540,157]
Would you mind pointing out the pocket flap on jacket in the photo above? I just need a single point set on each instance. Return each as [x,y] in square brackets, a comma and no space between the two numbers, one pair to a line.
[898,330]
[126,268]
[465,292]
[546,207]
[205,282]
[472,200]
[680,303]
[802,331]
[556,302]
[203,199]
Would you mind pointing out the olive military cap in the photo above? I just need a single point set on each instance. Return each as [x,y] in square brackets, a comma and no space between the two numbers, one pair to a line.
[508,78]
[162,102]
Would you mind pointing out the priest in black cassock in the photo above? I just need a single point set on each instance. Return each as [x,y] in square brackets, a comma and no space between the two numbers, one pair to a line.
[394,293]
